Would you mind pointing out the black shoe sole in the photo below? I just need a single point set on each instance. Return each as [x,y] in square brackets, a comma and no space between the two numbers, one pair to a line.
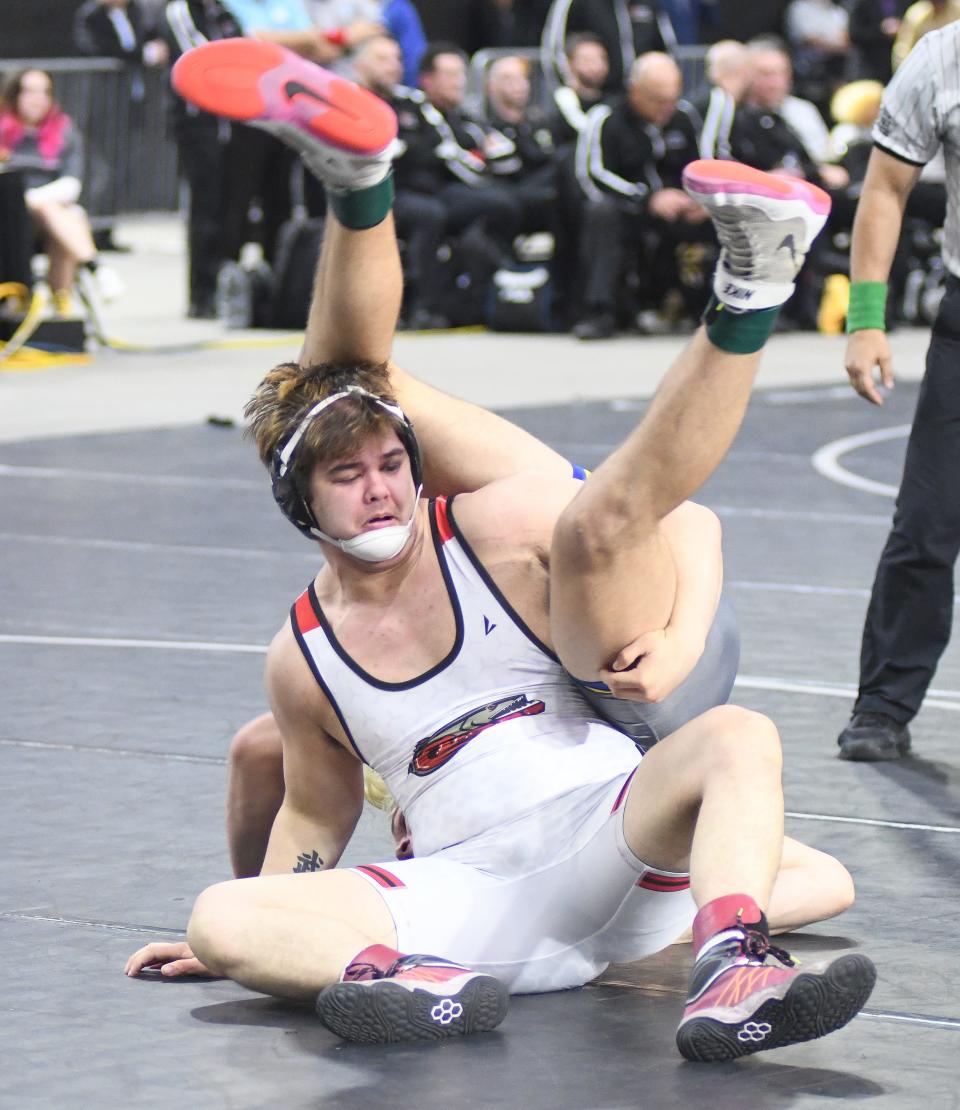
[386,1013]
[868,751]
[814,1005]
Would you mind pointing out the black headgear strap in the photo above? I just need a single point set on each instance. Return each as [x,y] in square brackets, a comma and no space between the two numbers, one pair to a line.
[287,491]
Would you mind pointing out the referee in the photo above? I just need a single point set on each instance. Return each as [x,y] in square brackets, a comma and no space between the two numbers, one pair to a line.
[911,608]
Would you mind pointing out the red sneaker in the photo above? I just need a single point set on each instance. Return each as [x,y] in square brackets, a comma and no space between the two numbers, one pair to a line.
[344,133]
[384,997]
[746,996]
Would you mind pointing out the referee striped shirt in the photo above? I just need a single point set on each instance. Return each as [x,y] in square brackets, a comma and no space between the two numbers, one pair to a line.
[920,113]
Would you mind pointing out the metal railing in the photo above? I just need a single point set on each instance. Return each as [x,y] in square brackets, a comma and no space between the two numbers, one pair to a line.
[131,158]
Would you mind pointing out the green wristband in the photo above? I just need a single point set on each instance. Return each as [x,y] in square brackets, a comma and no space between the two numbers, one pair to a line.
[360,209]
[868,306]
[738,333]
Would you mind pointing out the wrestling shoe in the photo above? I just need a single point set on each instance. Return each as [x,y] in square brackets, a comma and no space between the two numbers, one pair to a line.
[747,996]
[384,996]
[765,225]
[344,134]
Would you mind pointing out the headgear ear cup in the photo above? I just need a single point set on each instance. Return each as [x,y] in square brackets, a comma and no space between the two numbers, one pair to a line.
[286,486]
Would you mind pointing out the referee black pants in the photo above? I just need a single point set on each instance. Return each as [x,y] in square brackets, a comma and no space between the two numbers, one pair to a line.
[911,608]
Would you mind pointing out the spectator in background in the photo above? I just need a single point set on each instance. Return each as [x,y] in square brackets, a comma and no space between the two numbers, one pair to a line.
[402,21]
[476,24]
[874,25]
[735,19]
[202,141]
[119,29]
[770,92]
[126,30]
[587,69]
[344,25]
[38,138]
[420,217]
[729,71]
[918,20]
[627,30]
[525,162]
[446,156]
[818,31]
[630,159]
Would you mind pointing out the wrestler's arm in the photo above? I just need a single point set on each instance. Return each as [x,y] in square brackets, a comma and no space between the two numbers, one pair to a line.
[656,661]
[323,794]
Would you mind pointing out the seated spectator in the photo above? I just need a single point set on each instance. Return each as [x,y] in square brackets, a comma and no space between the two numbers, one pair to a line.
[630,159]
[729,71]
[585,77]
[874,25]
[39,139]
[446,156]
[818,31]
[626,30]
[519,146]
[344,25]
[797,138]
[919,18]
[402,21]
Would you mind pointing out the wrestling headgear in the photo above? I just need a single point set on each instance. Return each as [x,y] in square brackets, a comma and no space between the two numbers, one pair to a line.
[291,495]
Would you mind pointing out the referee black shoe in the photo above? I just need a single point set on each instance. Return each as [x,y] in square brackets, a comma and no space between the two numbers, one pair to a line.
[873,737]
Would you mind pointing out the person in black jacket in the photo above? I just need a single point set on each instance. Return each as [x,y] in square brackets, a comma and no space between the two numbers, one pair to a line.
[125,30]
[630,160]
[444,168]
[588,67]
[202,141]
[627,30]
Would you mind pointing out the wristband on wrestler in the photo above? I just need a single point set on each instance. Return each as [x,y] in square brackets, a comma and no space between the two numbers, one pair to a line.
[868,306]
[336,37]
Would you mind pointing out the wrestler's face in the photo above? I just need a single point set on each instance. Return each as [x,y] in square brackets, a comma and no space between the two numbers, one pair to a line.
[402,841]
[369,488]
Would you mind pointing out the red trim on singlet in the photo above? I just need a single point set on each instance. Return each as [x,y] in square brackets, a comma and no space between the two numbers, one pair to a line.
[665,884]
[307,619]
[623,791]
[443,525]
[379,875]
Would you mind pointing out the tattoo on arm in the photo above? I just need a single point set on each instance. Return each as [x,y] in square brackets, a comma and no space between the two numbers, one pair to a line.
[311,862]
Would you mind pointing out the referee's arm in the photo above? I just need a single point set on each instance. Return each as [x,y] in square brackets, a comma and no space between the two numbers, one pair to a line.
[876,231]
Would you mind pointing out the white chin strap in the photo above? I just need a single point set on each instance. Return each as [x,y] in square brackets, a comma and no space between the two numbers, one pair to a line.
[379,544]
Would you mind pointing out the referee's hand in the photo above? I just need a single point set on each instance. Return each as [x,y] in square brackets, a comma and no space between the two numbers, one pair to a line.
[865,350]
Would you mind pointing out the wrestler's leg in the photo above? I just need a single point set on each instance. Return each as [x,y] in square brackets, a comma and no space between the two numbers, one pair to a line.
[254,792]
[810,886]
[612,572]
[288,935]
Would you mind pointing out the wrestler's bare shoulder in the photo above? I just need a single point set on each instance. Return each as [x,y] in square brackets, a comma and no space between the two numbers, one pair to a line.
[516,513]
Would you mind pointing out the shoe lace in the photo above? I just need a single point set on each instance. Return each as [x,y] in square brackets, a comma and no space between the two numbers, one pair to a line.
[756,946]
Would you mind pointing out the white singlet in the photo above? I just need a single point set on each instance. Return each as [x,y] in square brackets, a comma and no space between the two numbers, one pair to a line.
[512,790]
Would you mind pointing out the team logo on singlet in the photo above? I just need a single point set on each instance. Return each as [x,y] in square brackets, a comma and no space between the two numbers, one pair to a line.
[431,753]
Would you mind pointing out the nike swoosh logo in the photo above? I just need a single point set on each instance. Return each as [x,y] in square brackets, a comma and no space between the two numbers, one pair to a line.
[790,244]
[297,88]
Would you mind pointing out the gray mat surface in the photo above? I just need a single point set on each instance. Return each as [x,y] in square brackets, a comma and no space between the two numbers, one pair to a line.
[112,761]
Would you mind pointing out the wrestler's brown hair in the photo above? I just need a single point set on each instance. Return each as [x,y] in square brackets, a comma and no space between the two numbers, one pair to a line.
[289,391]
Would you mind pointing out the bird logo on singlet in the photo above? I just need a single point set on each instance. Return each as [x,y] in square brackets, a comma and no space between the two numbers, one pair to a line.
[434,751]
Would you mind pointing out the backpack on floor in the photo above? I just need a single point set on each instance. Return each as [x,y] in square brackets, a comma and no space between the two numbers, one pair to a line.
[294,264]
[521,299]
